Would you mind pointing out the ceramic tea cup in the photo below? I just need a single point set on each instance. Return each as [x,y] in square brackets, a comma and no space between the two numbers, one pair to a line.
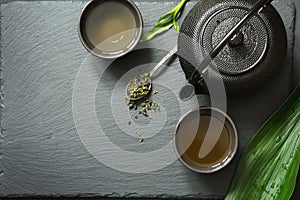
[205,140]
[110,28]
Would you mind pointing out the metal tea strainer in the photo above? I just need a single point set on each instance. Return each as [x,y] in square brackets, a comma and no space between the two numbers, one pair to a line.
[248,59]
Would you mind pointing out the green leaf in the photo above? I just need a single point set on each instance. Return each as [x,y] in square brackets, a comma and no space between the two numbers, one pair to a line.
[270,163]
[177,15]
[164,19]
[165,22]
[176,26]
[175,18]
[154,32]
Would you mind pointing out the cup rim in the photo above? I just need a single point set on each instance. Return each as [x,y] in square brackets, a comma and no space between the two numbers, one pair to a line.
[135,40]
[231,153]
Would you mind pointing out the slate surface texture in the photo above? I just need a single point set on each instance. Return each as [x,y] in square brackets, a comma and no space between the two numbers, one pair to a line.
[53,90]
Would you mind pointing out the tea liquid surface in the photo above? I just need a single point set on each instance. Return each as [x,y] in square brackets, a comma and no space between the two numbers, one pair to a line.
[111,26]
[210,145]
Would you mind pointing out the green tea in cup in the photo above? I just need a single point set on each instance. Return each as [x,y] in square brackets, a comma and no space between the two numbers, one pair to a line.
[205,140]
[110,28]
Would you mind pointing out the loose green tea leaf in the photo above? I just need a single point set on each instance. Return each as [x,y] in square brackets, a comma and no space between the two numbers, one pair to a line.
[270,163]
[145,105]
[140,136]
[139,87]
[165,22]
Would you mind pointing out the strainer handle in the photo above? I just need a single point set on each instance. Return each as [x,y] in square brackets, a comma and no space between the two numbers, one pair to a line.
[169,55]
[255,9]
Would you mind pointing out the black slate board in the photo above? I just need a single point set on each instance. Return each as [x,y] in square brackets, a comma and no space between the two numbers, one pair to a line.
[42,152]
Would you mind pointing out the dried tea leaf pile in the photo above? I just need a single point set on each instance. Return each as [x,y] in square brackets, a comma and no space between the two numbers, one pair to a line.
[139,87]
[142,107]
